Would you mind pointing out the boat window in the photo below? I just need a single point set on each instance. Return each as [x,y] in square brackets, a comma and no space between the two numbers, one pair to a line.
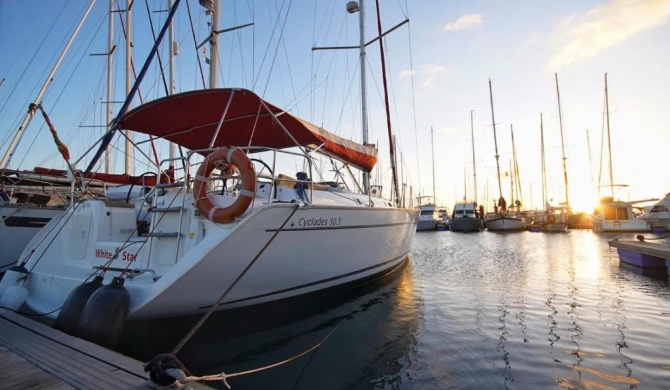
[659,209]
[470,211]
[616,213]
[459,212]
[427,212]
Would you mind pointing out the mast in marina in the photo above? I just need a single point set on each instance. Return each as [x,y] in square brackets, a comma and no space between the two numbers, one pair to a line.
[501,201]
[565,168]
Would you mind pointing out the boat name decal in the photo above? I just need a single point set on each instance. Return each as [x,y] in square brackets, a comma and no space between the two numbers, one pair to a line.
[311,222]
[107,254]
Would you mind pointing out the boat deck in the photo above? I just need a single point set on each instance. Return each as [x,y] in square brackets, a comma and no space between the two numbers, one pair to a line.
[648,248]
[35,356]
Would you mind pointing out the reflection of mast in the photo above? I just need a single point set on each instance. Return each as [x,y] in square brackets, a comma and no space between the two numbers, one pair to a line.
[565,169]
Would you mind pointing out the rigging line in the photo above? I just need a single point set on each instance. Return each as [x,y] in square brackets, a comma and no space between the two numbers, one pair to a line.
[195,45]
[25,69]
[57,100]
[411,72]
[232,285]
[267,49]
[158,54]
[238,34]
[386,105]
[288,65]
[19,55]
[280,39]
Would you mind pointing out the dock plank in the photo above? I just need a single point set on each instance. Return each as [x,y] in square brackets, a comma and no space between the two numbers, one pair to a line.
[648,248]
[36,356]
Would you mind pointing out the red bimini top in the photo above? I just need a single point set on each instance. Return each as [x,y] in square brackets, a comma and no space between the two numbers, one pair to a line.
[191,119]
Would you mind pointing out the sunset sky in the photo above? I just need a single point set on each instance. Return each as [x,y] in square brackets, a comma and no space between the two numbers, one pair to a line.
[438,69]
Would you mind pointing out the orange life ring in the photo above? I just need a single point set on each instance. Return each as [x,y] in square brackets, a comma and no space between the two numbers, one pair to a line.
[228,214]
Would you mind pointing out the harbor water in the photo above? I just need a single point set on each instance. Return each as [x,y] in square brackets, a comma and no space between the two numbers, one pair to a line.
[469,311]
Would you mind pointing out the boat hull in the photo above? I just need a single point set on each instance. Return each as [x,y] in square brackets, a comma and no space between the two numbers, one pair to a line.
[555,227]
[621,226]
[277,252]
[19,224]
[505,224]
[466,224]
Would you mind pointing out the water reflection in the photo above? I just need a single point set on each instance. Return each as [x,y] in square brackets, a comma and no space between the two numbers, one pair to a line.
[485,311]
[373,328]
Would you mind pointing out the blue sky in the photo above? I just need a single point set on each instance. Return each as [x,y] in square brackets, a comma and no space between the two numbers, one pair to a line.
[456,47]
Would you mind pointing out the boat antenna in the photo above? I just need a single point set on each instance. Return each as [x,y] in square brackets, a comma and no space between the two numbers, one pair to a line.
[495,139]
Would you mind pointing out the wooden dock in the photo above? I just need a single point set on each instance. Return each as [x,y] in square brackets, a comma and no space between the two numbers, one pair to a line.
[35,356]
[643,254]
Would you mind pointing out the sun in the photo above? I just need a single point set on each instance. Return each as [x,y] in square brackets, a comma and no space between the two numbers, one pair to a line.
[583,199]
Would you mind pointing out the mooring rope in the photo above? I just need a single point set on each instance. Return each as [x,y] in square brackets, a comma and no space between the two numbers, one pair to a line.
[223,376]
[230,288]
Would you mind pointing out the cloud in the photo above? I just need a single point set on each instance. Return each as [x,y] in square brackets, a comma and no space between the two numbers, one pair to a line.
[606,26]
[427,73]
[465,21]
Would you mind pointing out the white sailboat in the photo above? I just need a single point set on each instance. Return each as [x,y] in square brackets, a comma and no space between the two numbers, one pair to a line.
[499,220]
[264,237]
[613,215]
[658,215]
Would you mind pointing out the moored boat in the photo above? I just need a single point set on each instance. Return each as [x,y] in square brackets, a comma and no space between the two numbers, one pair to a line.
[465,218]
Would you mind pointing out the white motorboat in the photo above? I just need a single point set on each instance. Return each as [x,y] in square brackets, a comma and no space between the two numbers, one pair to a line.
[429,216]
[618,216]
[658,215]
[268,238]
[465,218]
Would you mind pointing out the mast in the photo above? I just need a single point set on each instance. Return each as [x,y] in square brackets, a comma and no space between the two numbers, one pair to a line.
[386,104]
[495,139]
[432,149]
[515,168]
[129,80]
[544,177]
[565,168]
[609,142]
[213,45]
[171,145]
[110,91]
[31,111]
[474,167]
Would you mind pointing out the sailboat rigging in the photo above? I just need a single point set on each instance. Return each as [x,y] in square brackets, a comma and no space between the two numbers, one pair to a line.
[499,220]
[614,215]
[293,237]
